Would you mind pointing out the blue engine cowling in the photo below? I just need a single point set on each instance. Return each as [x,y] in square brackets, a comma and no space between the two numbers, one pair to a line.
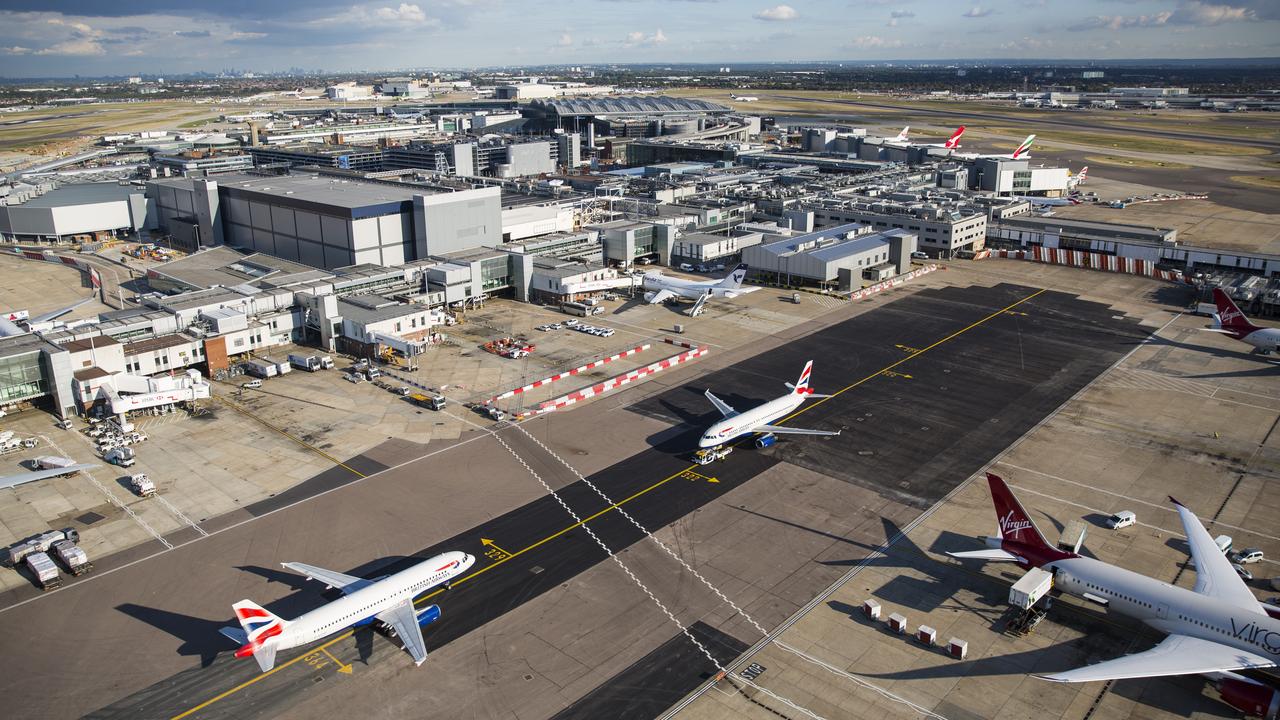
[428,615]
[765,441]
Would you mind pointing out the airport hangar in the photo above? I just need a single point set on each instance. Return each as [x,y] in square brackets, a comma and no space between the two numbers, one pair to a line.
[73,210]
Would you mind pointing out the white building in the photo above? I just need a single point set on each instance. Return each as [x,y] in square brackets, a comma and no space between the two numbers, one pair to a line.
[348,91]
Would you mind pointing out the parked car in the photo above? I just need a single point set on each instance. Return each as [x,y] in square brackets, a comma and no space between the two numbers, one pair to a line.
[1247,556]
[252,384]
[1242,572]
[918,255]
[1122,519]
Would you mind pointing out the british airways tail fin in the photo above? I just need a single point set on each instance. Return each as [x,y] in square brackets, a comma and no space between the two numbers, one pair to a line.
[802,385]
[902,136]
[260,626]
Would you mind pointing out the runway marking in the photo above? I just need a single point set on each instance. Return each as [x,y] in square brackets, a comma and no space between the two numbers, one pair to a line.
[892,374]
[696,476]
[342,667]
[492,551]
[348,633]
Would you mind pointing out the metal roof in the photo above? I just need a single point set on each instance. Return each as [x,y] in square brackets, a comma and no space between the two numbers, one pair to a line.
[85,194]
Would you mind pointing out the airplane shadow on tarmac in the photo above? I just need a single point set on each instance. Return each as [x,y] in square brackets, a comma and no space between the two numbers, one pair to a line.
[201,637]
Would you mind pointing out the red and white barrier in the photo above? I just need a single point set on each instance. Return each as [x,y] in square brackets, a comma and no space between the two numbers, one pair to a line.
[616,382]
[891,282]
[567,373]
[1091,261]
[95,280]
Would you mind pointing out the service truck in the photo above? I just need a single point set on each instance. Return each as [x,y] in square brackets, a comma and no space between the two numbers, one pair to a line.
[311,363]
[41,565]
[17,552]
[122,456]
[435,402]
[50,462]
[142,485]
[1028,590]
[261,368]
[73,558]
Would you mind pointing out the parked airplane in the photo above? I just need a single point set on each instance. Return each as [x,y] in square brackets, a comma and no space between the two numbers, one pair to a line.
[1078,178]
[758,419]
[405,116]
[1214,629]
[386,601]
[1230,321]
[1019,153]
[1046,201]
[661,288]
[744,98]
[951,143]
[9,321]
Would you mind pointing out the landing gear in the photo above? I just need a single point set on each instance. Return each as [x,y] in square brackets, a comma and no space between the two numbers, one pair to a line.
[384,629]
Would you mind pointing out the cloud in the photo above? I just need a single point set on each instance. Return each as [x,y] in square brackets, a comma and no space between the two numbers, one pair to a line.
[977,12]
[406,13]
[639,39]
[901,14]
[1204,14]
[777,13]
[192,33]
[16,50]
[82,46]
[869,42]
[566,40]
[1120,22]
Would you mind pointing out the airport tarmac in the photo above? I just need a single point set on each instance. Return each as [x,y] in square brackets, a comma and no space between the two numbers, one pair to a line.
[596,624]
[1187,414]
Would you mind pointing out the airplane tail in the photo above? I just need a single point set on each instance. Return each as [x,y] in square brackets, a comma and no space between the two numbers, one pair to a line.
[902,136]
[733,280]
[802,385]
[1024,148]
[954,141]
[1082,175]
[260,625]
[1012,519]
[1229,317]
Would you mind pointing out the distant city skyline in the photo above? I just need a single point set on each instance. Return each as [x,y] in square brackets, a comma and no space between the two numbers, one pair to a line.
[62,38]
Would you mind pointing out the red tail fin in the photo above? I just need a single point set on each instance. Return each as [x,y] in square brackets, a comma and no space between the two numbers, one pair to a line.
[1229,315]
[1015,524]
[954,140]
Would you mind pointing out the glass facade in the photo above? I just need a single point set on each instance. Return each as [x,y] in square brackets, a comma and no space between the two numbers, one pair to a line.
[22,378]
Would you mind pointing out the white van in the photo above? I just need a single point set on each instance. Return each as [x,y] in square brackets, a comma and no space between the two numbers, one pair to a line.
[252,384]
[686,267]
[1224,543]
[1122,519]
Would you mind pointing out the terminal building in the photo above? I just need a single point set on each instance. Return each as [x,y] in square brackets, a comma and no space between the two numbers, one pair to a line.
[838,257]
[626,116]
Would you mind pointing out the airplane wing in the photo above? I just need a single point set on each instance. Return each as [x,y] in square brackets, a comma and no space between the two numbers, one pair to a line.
[14,480]
[725,408]
[659,296]
[346,583]
[405,621]
[54,314]
[1175,655]
[1214,575]
[993,554]
[784,430]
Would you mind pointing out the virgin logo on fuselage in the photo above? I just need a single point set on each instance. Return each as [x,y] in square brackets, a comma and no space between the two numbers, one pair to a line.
[1009,526]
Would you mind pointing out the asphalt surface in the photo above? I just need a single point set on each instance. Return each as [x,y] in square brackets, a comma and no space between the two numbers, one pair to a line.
[984,378]
[915,434]
[658,680]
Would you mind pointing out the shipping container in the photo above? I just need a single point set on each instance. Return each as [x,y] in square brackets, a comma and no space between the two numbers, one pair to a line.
[1028,591]
[41,565]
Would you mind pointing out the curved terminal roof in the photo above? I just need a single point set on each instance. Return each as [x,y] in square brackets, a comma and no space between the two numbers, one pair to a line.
[628,105]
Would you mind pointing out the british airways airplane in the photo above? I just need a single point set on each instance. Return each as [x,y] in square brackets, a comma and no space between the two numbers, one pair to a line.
[758,419]
[387,601]
[1213,629]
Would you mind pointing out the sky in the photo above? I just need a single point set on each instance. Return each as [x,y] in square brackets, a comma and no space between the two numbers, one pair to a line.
[123,37]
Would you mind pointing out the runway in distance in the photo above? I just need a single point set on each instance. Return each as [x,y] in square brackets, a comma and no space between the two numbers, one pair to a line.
[1230,321]
[660,288]
[387,601]
[757,419]
[1214,629]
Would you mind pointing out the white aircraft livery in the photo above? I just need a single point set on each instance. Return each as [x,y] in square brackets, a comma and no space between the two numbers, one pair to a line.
[758,419]
[1020,152]
[387,601]
[1213,629]
[660,288]
[1230,321]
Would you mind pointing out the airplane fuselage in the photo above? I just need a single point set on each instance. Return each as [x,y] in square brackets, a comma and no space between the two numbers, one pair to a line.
[689,289]
[1266,340]
[748,421]
[361,606]
[1167,608]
